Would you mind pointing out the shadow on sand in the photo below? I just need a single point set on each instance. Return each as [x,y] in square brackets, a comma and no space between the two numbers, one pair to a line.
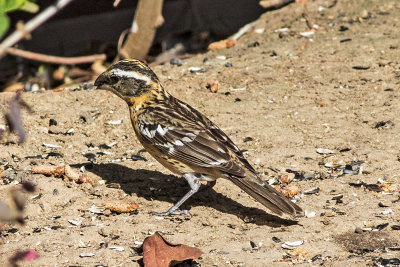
[156,185]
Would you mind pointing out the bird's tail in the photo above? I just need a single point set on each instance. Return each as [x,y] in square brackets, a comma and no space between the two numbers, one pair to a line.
[268,196]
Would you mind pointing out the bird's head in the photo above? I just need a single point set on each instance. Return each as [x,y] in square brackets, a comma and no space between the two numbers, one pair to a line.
[128,79]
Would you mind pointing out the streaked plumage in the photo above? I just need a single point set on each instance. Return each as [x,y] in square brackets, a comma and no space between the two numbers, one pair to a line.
[182,139]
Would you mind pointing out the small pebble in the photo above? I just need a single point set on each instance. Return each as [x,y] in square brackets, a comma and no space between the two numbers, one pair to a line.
[254,44]
[324,151]
[358,230]
[228,64]
[309,214]
[361,67]
[85,255]
[381,226]
[336,197]
[312,191]
[176,61]
[248,139]
[196,69]
[395,227]
[86,117]
[52,122]
[116,122]
[365,14]
[117,248]
[51,145]
[392,261]
[380,204]
[276,239]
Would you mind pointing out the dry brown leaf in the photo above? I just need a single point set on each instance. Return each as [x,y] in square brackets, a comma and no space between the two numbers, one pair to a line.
[297,255]
[14,87]
[213,85]
[290,191]
[68,172]
[287,178]
[390,188]
[222,44]
[49,170]
[120,207]
[157,252]
[71,174]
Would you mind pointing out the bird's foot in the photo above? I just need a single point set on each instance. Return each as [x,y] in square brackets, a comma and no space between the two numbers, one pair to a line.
[208,186]
[172,212]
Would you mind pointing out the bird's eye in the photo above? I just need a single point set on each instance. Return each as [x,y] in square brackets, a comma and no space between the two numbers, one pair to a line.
[113,79]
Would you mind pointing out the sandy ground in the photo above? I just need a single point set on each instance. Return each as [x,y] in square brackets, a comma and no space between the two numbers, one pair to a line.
[331,90]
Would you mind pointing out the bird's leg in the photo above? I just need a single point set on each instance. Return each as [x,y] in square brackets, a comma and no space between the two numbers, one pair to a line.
[208,186]
[194,184]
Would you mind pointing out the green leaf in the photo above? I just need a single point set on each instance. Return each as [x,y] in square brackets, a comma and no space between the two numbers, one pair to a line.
[10,5]
[4,24]
[29,7]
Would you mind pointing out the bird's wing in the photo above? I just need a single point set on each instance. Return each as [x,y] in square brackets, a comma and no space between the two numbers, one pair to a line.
[184,134]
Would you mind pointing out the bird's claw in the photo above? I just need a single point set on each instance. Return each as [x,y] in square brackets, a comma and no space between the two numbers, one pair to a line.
[173,212]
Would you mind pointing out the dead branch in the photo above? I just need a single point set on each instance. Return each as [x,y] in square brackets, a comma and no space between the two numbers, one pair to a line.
[54,59]
[17,35]
[274,3]
[148,17]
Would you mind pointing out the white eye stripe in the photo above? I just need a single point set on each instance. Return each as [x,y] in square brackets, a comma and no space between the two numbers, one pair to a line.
[131,74]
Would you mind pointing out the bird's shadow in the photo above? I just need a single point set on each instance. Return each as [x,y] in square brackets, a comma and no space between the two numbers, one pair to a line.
[156,185]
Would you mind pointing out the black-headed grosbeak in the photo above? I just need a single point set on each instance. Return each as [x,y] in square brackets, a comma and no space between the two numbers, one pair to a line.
[182,139]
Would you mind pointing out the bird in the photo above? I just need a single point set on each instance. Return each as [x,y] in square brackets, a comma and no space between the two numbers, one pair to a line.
[183,140]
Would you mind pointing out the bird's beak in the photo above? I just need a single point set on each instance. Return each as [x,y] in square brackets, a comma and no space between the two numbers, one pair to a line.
[102,82]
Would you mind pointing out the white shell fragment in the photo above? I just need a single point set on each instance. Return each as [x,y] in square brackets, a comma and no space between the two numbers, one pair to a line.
[75,222]
[293,244]
[96,209]
[117,122]
[112,144]
[117,248]
[282,30]
[85,255]
[386,212]
[307,34]
[324,151]
[238,89]
[81,244]
[51,145]
[196,69]
[309,214]
[138,243]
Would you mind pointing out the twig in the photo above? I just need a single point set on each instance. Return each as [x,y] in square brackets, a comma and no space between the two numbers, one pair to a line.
[17,35]
[243,30]
[274,3]
[54,59]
